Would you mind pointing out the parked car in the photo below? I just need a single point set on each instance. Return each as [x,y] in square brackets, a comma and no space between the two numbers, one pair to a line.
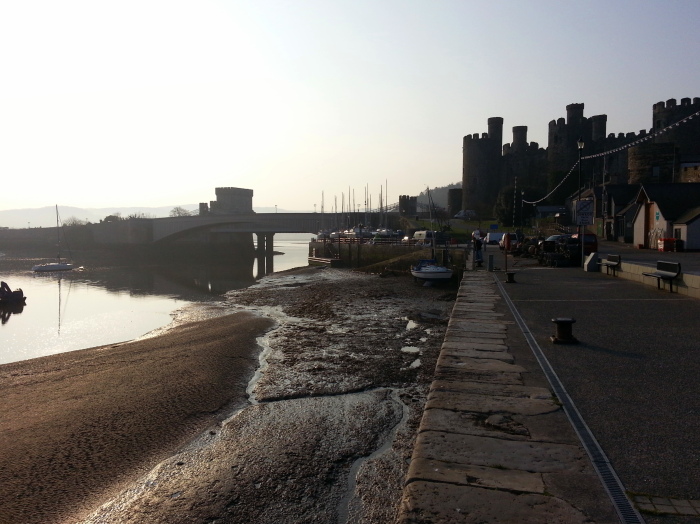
[513,241]
[590,242]
[466,214]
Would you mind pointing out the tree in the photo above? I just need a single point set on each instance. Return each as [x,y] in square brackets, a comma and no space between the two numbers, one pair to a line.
[180,212]
[503,208]
[73,221]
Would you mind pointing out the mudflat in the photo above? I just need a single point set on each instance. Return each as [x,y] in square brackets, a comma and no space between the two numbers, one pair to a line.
[163,430]
[76,428]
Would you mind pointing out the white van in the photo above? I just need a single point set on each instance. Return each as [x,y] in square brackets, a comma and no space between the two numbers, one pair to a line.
[423,237]
[493,238]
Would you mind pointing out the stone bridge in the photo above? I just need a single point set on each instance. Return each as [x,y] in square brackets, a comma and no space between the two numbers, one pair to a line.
[259,223]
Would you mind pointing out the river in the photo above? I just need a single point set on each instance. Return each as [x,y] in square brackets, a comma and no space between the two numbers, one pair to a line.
[93,307]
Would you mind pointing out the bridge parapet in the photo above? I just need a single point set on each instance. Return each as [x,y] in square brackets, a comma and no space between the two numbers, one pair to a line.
[164,228]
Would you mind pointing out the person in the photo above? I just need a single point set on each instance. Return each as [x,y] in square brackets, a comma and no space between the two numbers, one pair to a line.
[478,256]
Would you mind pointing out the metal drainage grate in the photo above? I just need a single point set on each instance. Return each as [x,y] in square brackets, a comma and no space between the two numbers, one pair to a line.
[611,482]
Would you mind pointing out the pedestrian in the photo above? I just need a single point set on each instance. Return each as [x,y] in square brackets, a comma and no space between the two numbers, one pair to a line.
[478,255]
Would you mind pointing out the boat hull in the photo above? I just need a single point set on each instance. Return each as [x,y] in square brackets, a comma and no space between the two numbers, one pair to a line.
[430,270]
[432,275]
[13,298]
[54,266]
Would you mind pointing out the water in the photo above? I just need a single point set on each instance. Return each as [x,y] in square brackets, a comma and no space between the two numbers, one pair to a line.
[81,309]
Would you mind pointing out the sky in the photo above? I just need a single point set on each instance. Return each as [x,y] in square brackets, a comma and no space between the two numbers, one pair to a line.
[156,103]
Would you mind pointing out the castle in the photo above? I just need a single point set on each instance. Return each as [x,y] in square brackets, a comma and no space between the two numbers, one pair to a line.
[668,152]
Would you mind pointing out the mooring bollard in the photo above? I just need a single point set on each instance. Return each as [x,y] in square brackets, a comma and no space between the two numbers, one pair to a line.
[564,335]
[510,277]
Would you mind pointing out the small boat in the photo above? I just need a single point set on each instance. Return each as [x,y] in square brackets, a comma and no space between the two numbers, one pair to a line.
[9,297]
[430,270]
[53,266]
[58,265]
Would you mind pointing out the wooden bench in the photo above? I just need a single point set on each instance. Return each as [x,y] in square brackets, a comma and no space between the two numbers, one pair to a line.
[665,271]
[611,262]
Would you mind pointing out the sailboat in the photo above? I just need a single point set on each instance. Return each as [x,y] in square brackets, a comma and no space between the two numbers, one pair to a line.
[429,269]
[58,265]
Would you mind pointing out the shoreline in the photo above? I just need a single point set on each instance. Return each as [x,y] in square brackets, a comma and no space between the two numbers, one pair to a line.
[333,378]
[77,427]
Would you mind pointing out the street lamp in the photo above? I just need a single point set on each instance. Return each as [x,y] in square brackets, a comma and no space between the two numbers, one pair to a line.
[578,201]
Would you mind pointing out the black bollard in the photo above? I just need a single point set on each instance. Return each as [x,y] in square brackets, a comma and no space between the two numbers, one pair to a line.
[564,335]
[510,277]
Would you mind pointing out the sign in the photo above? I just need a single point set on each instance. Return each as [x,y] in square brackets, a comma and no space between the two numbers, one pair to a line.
[658,215]
[494,226]
[584,212]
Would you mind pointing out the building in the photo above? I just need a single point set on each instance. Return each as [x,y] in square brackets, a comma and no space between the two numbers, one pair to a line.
[669,152]
[229,201]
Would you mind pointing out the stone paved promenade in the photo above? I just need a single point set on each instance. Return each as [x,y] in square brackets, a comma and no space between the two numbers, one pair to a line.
[494,444]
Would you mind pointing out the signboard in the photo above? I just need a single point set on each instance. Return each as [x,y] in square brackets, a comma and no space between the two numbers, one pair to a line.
[584,212]
[494,226]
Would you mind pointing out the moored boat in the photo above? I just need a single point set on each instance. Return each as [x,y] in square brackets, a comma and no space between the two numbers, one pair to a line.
[9,297]
[58,265]
[429,269]
[53,266]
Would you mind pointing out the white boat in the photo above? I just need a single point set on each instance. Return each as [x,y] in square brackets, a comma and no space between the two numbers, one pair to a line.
[430,270]
[53,266]
[58,265]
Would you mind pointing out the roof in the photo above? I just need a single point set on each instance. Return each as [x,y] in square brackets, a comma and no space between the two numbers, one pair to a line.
[622,194]
[673,200]
[688,216]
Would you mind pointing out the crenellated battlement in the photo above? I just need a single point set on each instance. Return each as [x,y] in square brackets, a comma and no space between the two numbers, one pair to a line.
[671,103]
[488,166]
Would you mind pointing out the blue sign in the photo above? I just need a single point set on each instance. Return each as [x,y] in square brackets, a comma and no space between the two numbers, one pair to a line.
[494,226]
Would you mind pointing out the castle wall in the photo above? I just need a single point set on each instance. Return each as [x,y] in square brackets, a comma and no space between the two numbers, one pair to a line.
[481,165]
[650,163]
[677,157]
[687,136]
[454,201]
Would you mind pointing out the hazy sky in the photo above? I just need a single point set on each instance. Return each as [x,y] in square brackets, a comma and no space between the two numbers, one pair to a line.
[152,103]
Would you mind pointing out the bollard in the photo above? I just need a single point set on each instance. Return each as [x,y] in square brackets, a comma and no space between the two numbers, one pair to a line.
[510,277]
[490,263]
[564,335]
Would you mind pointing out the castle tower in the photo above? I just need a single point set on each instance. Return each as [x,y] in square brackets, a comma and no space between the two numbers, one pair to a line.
[519,139]
[598,127]
[481,165]
[687,136]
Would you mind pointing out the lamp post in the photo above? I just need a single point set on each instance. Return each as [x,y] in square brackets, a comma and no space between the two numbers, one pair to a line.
[578,201]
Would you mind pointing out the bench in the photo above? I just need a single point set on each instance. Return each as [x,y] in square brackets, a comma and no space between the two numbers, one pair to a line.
[665,271]
[611,262]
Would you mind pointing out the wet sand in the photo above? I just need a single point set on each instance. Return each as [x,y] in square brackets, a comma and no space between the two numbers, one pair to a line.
[76,428]
[350,361]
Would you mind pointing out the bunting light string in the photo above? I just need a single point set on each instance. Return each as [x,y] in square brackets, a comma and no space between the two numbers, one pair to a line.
[553,190]
[644,138]
[616,150]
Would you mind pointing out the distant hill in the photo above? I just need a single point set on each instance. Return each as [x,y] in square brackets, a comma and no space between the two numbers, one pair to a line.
[439,195]
[46,216]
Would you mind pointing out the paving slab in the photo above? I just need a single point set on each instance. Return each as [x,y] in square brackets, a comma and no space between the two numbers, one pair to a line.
[427,502]
[490,404]
[491,449]
[500,453]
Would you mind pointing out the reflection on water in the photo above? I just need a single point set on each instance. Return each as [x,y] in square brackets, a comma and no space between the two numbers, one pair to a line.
[80,309]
